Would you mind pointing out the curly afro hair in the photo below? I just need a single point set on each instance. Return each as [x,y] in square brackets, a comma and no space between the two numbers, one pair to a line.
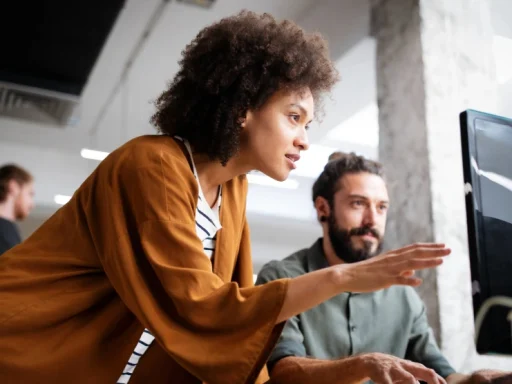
[233,66]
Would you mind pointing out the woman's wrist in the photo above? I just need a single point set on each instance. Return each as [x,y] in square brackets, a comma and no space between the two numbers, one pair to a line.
[341,276]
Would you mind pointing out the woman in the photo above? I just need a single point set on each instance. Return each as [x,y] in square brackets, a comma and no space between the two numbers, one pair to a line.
[133,280]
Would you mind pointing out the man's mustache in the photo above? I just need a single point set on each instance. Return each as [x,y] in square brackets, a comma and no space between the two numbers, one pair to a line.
[361,231]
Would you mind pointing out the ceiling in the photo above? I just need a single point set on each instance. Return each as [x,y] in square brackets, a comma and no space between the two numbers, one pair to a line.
[57,42]
[131,71]
[116,102]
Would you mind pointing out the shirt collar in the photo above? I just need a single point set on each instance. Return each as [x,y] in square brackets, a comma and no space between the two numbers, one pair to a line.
[316,256]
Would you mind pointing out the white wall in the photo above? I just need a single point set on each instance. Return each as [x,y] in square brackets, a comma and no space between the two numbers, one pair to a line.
[274,238]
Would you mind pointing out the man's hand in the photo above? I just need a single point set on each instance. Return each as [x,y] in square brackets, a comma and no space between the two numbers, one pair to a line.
[488,376]
[378,367]
[387,369]
[485,376]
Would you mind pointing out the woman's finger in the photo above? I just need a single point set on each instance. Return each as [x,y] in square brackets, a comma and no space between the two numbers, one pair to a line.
[407,273]
[417,264]
[411,281]
[419,245]
[424,253]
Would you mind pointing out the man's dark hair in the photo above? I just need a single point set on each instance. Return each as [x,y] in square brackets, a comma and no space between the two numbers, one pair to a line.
[338,166]
[12,172]
[233,66]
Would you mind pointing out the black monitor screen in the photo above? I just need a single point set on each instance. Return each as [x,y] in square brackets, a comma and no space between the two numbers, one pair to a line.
[487,158]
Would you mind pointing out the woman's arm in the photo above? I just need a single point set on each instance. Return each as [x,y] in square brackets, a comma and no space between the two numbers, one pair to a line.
[392,268]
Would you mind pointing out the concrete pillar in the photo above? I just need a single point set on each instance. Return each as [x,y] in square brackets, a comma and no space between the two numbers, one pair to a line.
[434,59]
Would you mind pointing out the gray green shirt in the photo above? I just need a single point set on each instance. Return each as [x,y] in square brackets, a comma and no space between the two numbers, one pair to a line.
[391,321]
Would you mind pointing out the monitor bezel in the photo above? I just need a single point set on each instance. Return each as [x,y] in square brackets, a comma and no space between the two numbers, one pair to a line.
[479,272]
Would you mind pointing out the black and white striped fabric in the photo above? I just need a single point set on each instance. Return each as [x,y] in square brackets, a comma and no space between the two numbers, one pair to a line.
[207,225]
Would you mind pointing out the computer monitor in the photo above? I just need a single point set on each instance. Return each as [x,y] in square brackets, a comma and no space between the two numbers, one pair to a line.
[487,160]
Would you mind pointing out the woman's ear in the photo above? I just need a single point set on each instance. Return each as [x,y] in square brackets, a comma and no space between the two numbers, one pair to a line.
[244,120]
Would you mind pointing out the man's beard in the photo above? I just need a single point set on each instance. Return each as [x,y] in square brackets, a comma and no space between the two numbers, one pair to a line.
[342,244]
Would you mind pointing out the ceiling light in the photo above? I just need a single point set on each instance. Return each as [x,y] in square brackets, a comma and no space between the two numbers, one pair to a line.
[267,181]
[61,199]
[92,154]
[201,3]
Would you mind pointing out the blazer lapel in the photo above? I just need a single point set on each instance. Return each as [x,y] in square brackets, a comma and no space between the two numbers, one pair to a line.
[224,257]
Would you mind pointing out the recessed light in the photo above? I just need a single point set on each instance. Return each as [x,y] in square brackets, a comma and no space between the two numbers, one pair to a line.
[93,154]
[61,199]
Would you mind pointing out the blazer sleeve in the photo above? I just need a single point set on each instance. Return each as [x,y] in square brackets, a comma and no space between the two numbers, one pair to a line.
[220,332]
[244,274]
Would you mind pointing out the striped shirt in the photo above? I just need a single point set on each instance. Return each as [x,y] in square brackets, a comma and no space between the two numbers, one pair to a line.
[207,225]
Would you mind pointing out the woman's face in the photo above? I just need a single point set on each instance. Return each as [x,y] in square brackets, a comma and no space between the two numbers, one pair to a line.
[275,134]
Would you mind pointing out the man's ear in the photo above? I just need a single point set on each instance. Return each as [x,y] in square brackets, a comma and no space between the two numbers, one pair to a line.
[323,210]
[13,188]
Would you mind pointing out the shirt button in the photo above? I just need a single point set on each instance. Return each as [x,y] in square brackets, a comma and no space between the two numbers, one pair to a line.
[353,328]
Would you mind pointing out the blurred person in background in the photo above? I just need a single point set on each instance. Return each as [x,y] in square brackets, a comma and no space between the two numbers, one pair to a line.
[16,203]
[381,336]
[145,276]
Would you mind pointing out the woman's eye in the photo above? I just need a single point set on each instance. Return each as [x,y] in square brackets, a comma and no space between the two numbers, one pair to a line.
[295,118]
